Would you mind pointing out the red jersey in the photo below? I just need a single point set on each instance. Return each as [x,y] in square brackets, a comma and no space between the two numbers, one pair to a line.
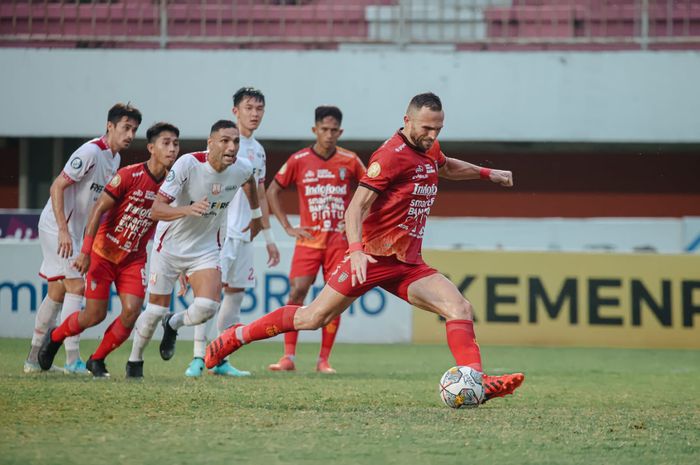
[127,227]
[324,187]
[406,180]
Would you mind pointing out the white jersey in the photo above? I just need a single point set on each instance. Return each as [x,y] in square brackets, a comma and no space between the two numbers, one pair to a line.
[191,179]
[88,170]
[239,210]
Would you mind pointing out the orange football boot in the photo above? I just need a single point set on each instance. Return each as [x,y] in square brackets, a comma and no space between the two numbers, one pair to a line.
[285,364]
[222,346]
[501,386]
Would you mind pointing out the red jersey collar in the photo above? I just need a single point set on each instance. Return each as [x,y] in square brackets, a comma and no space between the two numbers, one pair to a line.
[319,156]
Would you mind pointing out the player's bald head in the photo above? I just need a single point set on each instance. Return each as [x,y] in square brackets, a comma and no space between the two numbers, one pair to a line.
[427,100]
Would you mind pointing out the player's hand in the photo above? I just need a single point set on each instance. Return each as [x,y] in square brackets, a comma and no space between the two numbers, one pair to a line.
[255,226]
[65,244]
[501,177]
[358,266]
[273,255]
[182,279]
[199,207]
[299,233]
[82,263]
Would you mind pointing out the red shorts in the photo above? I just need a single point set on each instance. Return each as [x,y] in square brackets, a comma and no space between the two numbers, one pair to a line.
[389,273]
[129,277]
[307,260]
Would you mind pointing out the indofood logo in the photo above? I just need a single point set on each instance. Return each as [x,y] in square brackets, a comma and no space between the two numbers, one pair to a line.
[327,189]
[426,190]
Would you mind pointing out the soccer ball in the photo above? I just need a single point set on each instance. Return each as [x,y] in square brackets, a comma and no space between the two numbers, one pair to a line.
[461,387]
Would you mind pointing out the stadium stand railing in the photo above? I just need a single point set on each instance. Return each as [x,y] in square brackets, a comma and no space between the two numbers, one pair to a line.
[328,24]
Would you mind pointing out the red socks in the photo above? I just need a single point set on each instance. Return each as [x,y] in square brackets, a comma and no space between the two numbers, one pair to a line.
[115,336]
[290,339]
[272,324]
[462,343]
[290,343]
[328,338]
[69,327]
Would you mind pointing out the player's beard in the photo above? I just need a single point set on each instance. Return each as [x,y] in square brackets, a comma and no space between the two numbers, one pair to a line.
[422,143]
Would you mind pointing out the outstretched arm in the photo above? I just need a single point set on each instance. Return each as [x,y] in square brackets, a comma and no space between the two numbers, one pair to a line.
[104,203]
[356,213]
[459,170]
[161,210]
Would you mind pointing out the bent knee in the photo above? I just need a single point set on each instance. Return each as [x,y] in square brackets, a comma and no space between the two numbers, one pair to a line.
[460,310]
[206,307]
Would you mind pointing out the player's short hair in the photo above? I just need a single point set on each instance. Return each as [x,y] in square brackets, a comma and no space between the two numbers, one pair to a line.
[248,92]
[222,124]
[154,131]
[120,110]
[328,110]
[427,99]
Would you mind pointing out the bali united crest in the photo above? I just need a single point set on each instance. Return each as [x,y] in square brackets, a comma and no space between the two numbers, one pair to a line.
[342,172]
[216,188]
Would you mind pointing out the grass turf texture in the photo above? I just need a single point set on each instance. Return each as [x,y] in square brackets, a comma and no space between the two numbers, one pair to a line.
[584,406]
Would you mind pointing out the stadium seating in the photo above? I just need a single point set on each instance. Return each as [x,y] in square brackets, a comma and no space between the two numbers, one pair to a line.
[324,24]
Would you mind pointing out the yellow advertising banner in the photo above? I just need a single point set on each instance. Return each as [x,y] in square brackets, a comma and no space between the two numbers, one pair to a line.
[565,299]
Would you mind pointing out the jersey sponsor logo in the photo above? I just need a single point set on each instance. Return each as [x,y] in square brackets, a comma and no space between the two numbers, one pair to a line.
[116,180]
[230,188]
[251,154]
[76,163]
[343,277]
[150,195]
[374,170]
[323,173]
[310,174]
[216,188]
[429,168]
[96,187]
[342,171]
[400,148]
[170,176]
[424,189]
[325,189]
[300,155]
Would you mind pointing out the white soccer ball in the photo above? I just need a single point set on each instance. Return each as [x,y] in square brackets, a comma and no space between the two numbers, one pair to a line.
[461,387]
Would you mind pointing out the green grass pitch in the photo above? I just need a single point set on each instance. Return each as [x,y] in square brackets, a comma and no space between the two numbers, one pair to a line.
[578,406]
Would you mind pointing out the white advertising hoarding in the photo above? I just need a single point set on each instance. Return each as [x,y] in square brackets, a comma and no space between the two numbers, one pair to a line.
[377,317]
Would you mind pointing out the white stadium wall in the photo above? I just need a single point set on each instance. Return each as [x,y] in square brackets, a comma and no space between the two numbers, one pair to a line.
[542,96]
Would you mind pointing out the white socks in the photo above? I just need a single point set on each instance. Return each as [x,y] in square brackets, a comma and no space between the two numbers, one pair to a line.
[45,318]
[71,303]
[230,311]
[229,315]
[144,328]
[201,310]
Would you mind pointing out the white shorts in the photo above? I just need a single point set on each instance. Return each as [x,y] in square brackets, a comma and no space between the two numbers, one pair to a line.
[165,268]
[237,269]
[53,267]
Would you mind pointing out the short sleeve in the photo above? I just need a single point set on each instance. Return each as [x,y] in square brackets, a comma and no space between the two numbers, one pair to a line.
[81,162]
[176,178]
[287,174]
[383,169]
[119,185]
[437,154]
[359,168]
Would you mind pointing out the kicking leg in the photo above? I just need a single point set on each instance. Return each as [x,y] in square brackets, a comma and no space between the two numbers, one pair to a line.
[329,304]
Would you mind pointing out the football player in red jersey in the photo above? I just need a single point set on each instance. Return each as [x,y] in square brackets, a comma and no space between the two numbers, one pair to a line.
[385,223]
[320,239]
[114,250]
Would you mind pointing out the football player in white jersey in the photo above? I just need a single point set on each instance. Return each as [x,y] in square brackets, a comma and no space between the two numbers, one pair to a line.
[61,225]
[237,269]
[190,208]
